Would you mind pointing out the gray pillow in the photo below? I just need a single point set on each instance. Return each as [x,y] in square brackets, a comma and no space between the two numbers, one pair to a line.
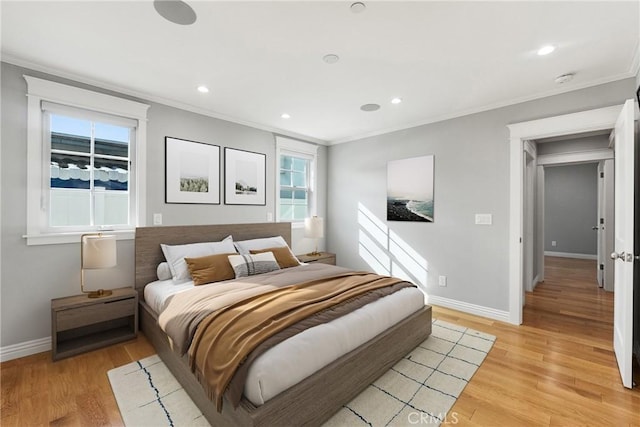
[248,265]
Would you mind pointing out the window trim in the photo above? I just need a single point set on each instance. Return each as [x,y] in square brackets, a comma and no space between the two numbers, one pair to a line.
[39,91]
[292,147]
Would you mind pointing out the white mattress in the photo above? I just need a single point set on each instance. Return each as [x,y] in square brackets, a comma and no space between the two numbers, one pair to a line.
[296,358]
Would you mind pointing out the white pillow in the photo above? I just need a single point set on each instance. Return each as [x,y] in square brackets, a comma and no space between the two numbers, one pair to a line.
[249,265]
[176,254]
[163,271]
[244,246]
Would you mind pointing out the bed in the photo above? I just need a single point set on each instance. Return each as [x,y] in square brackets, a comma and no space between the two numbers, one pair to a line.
[311,401]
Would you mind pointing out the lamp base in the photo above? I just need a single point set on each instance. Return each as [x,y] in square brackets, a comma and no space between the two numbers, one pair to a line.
[314,253]
[99,293]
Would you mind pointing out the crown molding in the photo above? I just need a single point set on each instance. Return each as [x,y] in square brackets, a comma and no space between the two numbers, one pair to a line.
[487,107]
[14,60]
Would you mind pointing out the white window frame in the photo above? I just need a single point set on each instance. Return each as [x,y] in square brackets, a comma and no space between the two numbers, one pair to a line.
[292,147]
[39,91]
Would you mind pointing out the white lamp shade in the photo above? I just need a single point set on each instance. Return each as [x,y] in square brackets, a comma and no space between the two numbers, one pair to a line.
[98,251]
[314,227]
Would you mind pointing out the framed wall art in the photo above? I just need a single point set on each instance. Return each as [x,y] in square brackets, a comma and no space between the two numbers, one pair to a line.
[244,177]
[410,189]
[192,172]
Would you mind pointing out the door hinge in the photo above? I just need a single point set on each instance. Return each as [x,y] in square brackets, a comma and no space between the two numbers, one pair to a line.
[601,220]
[601,175]
[601,266]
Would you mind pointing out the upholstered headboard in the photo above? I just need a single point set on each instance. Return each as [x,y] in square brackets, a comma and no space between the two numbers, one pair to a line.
[148,239]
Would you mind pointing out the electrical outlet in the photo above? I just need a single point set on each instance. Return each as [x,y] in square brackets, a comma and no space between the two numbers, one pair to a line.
[157,219]
[554,243]
[269,216]
[442,280]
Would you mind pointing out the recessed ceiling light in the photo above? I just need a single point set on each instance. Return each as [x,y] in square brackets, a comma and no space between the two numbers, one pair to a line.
[396,100]
[331,58]
[285,116]
[370,107]
[175,11]
[203,89]
[545,50]
[564,78]
[358,7]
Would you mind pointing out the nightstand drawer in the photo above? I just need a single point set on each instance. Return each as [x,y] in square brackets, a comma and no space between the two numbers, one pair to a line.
[100,312]
[327,260]
[322,258]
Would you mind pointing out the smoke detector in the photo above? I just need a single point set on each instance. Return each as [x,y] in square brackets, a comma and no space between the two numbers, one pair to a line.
[331,58]
[564,78]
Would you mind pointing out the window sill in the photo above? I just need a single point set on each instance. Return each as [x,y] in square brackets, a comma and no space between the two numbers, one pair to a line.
[62,238]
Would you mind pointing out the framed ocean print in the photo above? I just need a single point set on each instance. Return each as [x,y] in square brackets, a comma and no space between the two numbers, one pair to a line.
[410,189]
[192,172]
[244,177]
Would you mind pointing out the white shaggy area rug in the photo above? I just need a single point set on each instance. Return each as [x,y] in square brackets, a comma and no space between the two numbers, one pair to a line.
[420,389]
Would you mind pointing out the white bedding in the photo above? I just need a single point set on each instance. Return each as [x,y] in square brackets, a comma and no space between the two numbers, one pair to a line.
[296,358]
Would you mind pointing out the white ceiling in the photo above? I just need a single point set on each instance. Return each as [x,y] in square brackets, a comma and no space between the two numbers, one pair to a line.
[261,59]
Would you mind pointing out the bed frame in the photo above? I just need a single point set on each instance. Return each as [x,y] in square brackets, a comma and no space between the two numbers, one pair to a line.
[310,402]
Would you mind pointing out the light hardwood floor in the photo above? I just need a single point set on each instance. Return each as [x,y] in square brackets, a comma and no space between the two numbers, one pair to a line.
[558,369]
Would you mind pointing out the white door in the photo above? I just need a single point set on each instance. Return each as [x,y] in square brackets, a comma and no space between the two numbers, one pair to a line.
[623,232]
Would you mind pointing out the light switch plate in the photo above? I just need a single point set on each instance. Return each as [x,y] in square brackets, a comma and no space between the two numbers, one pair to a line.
[484,219]
[157,219]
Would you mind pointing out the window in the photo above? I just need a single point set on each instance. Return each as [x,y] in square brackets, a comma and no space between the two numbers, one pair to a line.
[85,152]
[89,172]
[294,187]
[295,193]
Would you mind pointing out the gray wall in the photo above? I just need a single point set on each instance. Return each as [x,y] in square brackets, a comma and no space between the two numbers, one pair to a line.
[32,275]
[571,208]
[471,176]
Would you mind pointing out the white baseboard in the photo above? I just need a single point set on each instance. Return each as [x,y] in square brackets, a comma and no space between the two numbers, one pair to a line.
[478,310]
[535,282]
[570,255]
[23,349]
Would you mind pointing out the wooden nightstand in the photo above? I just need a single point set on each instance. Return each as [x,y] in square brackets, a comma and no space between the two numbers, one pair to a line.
[80,324]
[324,258]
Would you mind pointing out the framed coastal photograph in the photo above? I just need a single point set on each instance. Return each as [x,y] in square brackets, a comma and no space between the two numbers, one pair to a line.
[192,172]
[244,177]
[410,189]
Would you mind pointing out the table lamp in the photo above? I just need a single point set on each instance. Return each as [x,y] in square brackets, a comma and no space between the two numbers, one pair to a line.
[314,228]
[96,251]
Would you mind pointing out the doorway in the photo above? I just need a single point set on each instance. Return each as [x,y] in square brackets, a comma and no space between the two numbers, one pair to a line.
[568,204]
[620,118]
[569,300]
[603,119]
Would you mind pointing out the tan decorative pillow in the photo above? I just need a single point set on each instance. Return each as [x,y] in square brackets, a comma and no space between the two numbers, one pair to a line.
[283,256]
[210,268]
